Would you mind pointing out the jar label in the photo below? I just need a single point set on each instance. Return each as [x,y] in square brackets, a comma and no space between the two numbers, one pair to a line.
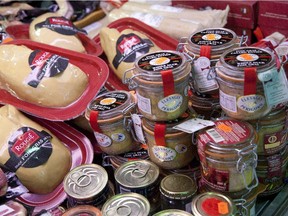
[118,137]
[274,142]
[143,103]
[201,68]
[109,101]
[170,103]
[251,103]
[137,126]
[217,179]
[160,61]
[226,132]
[193,125]
[102,139]
[275,86]
[247,57]
[212,37]
[227,101]
[6,210]
[164,153]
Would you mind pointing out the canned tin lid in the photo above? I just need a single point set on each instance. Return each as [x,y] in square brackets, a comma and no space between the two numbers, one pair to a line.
[85,181]
[126,205]
[137,174]
[240,58]
[110,104]
[219,39]
[83,210]
[211,203]
[152,64]
[178,186]
[172,212]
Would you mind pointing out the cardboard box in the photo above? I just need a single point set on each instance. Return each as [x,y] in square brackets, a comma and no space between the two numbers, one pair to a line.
[243,14]
[269,30]
[273,14]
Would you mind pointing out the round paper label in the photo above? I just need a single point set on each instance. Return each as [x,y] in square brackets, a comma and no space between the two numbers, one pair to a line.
[164,153]
[251,103]
[109,101]
[102,139]
[212,37]
[170,103]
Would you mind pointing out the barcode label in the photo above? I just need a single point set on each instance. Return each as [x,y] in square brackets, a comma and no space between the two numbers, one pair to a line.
[215,135]
[124,190]
[227,101]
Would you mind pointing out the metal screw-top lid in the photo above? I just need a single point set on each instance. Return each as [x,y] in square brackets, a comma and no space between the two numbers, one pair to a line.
[137,174]
[128,204]
[178,186]
[85,181]
[211,203]
[172,212]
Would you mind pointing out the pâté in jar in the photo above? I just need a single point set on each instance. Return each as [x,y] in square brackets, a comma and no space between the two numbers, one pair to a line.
[161,83]
[243,75]
[228,156]
[109,116]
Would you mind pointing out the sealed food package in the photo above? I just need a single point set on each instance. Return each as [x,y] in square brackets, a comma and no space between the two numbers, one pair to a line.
[12,208]
[40,77]
[123,48]
[56,30]
[38,158]
[175,28]
[207,18]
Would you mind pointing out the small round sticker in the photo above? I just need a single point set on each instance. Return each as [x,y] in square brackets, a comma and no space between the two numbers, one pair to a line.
[118,137]
[102,139]
[164,153]
[181,148]
[160,61]
[170,103]
[247,57]
[108,101]
[211,37]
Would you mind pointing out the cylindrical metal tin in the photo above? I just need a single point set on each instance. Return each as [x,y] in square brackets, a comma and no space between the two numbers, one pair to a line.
[126,204]
[172,212]
[87,185]
[83,210]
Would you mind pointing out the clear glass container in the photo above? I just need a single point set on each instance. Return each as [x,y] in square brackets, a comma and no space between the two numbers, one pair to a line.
[109,117]
[161,83]
[228,156]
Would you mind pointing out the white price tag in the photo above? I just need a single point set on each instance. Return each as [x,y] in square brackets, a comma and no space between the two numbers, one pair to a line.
[193,125]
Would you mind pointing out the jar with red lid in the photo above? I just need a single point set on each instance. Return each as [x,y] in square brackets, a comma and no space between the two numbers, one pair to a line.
[228,156]
[160,80]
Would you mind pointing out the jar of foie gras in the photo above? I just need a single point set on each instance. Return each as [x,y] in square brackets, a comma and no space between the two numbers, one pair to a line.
[205,47]
[126,204]
[177,192]
[161,83]
[271,132]
[142,177]
[169,148]
[212,203]
[247,78]
[87,185]
[228,156]
[108,115]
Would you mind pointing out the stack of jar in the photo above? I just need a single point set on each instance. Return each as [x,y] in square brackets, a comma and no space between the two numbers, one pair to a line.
[160,80]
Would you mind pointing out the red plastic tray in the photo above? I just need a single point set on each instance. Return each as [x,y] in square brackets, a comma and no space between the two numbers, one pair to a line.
[82,153]
[162,40]
[22,32]
[95,68]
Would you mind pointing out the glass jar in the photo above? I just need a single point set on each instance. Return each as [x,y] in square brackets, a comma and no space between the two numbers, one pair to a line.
[228,156]
[87,185]
[241,91]
[108,116]
[126,204]
[271,132]
[271,171]
[161,83]
[177,192]
[142,177]
[205,47]
[169,148]
[206,106]
[211,203]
